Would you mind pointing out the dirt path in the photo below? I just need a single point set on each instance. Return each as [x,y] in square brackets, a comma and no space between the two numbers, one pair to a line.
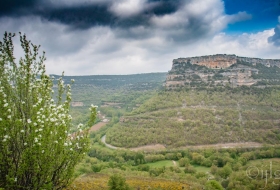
[152,147]
[174,163]
[227,145]
[159,147]
[97,126]
[103,139]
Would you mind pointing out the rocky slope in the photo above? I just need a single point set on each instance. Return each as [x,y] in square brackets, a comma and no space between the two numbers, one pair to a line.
[222,69]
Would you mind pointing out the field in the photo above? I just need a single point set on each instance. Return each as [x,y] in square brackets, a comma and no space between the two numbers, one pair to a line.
[99,182]
[97,126]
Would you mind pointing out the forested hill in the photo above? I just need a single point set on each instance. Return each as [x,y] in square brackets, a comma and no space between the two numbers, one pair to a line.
[134,81]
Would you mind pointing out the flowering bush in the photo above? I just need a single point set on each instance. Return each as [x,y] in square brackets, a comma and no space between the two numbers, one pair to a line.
[36,149]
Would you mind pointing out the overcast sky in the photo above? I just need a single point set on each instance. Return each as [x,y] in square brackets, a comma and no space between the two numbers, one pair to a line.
[89,37]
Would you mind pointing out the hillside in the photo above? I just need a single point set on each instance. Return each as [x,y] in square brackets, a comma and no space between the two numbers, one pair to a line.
[114,94]
[208,100]
[199,117]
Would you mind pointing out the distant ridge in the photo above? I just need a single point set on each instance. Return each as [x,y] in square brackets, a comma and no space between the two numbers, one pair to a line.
[223,69]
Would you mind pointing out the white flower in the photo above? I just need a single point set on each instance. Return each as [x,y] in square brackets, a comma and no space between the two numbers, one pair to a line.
[28,120]
[39,144]
[36,130]
[4,140]
[9,116]
[9,110]
[35,124]
[0,119]
[6,136]
[65,144]
[36,140]
[15,179]
[23,102]
[40,136]
[71,149]
[80,130]
[72,80]
[56,142]
[40,129]
[22,131]
[43,151]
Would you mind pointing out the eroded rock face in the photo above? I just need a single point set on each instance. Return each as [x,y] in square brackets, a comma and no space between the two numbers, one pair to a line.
[220,69]
[224,61]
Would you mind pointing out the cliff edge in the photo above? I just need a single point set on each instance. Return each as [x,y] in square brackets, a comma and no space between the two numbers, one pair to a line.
[222,69]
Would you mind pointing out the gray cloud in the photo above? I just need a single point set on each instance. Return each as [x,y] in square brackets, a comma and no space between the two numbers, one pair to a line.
[96,37]
[275,39]
[83,14]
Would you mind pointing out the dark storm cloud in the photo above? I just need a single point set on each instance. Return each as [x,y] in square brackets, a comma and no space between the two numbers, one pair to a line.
[16,7]
[85,14]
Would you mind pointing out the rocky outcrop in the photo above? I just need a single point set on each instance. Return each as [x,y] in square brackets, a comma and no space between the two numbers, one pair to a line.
[220,69]
[223,61]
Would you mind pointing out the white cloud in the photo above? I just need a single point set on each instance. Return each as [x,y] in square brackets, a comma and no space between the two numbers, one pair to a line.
[126,8]
[240,16]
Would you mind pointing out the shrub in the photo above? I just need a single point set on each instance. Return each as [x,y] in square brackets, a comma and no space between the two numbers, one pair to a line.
[36,149]
[117,182]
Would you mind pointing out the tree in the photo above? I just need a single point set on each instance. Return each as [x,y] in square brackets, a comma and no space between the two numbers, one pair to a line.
[117,182]
[36,149]
[213,185]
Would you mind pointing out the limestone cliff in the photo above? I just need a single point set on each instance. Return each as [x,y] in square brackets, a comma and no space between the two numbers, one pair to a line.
[220,69]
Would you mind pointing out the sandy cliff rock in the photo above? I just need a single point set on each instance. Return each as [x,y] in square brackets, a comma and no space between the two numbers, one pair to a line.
[220,69]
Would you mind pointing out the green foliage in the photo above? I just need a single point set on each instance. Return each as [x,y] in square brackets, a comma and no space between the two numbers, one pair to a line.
[184,162]
[213,185]
[36,149]
[199,117]
[117,182]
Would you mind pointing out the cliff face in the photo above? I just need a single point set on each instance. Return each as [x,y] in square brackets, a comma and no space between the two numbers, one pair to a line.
[218,69]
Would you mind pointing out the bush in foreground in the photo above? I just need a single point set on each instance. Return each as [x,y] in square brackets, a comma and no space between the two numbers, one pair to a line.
[36,149]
